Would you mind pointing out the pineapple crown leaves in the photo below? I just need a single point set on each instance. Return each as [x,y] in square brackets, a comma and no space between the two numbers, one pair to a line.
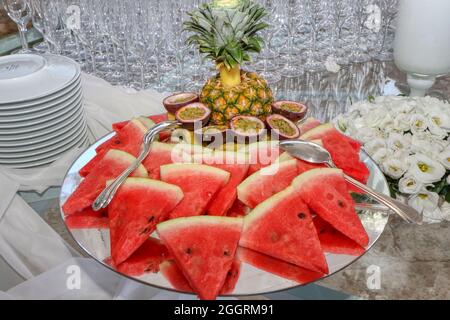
[227,34]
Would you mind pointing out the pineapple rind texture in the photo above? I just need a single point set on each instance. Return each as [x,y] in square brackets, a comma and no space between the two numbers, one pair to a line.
[253,97]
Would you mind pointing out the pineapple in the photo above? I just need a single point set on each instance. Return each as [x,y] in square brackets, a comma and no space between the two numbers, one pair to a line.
[226,32]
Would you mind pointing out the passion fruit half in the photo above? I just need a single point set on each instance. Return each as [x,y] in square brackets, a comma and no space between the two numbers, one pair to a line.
[193,116]
[247,128]
[177,101]
[282,128]
[214,135]
[292,110]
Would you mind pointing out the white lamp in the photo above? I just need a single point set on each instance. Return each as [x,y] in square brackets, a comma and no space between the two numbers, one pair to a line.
[422,42]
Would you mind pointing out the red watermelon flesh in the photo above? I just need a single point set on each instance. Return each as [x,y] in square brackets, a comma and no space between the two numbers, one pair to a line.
[88,219]
[262,154]
[238,209]
[204,257]
[162,154]
[110,167]
[331,204]
[128,139]
[175,276]
[282,227]
[199,184]
[145,259]
[138,206]
[278,267]
[266,182]
[232,162]
[333,241]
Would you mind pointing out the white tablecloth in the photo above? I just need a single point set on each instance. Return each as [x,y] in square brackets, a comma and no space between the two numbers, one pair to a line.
[32,248]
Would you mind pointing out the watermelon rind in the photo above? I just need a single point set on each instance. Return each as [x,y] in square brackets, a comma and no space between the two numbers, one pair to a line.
[122,156]
[183,168]
[181,223]
[317,131]
[220,157]
[311,175]
[147,122]
[156,184]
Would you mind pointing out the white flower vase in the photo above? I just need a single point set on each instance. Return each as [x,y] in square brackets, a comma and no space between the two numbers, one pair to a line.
[422,42]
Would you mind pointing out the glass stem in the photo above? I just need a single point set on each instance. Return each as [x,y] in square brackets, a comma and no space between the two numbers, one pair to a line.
[23,37]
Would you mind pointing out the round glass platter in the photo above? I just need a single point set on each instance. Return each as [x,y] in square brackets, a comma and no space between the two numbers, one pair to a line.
[252,281]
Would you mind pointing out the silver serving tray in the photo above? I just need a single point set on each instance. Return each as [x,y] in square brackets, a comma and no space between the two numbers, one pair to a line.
[252,281]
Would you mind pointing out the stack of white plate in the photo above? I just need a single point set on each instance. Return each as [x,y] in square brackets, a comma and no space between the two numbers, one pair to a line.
[41,109]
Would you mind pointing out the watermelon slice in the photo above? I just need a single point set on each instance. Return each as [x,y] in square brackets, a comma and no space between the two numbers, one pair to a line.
[166,153]
[333,241]
[261,154]
[233,162]
[174,275]
[204,257]
[282,227]
[88,219]
[266,182]
[199,184]
[128,139]
[138,206]
[145,259]
[277,267]
[328,129]
[331,204]
[155,119]
[238,209]
[308,125]
[110,167]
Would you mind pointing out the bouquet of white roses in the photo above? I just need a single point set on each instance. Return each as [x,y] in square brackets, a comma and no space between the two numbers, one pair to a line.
[409,139]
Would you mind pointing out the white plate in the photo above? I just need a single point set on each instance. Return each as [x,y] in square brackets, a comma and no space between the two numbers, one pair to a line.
[66,118]
[14,148]
[252,281]
[51,131]
[25,77]
[59,112]
[40,104]
[44,162]
[46,152]
[43,112]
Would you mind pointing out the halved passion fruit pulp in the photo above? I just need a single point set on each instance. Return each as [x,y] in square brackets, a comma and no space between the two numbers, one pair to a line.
[179,100]
[193,116]
[292,110]
[211,134]
[282,127]
[246,127]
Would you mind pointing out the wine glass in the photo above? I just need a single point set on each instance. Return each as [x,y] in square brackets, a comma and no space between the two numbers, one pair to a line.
[20,12]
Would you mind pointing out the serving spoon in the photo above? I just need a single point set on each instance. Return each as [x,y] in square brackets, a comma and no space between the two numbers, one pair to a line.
[313,153]
[105,198]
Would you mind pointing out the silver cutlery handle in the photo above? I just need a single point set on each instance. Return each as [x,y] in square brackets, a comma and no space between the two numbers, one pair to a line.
[105,198]
[406,212]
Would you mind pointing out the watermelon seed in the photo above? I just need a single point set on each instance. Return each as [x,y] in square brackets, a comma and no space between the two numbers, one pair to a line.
[341,204]
[188,251]
[226,253]
[322,231]
[275,237]
[116,141]
[151,219]
[302,216]
[144,231]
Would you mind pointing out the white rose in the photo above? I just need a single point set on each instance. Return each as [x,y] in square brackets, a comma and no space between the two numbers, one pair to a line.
[444,158]
[418,123]
[375,118]
[381,155]
[425,169]
[436,131]
[423,143]
[409,185]
[398,142]
[402,122]
[374,145]
[441,119]
[367,134]
[424,201]
[394,168]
